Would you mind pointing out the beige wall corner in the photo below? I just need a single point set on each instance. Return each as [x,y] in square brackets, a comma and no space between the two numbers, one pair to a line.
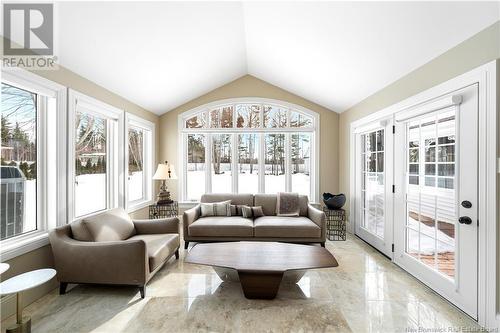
[249,86]
[473,52]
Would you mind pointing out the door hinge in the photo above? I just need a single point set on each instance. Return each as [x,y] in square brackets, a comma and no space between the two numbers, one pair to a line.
[393,188]
[393,129]
[392,247]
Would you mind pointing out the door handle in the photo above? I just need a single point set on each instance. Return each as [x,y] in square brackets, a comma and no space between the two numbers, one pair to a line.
[465,220]
[466,204]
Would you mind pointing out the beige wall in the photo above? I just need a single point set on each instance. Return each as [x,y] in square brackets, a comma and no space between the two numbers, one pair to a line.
[42,257]
[478,50]
[249,86]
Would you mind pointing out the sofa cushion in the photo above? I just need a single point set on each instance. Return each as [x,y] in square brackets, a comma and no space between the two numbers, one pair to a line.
[159,247]
[269,201]
[286,227]
[112,225]
[236,198]
[80,232]
[234,226]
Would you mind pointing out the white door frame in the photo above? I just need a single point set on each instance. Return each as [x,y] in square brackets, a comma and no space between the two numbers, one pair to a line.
[462,289]
[383,244]
[486,77]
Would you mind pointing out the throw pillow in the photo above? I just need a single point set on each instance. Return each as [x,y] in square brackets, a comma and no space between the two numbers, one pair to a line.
[287,204]
[246,211]
[249,212]
[257,211]
[236,210]
[216,208]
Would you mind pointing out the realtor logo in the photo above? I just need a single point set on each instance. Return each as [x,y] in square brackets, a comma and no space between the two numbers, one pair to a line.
[28,29]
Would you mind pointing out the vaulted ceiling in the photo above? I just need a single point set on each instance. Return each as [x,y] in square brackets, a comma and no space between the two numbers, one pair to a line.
[160,55]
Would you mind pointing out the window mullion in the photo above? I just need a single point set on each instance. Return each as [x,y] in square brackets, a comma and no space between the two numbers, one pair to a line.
[262,163]
[288,174]
[234,162]
[208,164]
[41,160]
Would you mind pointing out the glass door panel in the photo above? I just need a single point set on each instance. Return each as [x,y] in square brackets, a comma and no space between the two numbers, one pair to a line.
[373,183]
[430,199]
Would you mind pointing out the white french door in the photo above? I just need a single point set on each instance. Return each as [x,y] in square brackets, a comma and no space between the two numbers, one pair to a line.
[436,199]
[374,185]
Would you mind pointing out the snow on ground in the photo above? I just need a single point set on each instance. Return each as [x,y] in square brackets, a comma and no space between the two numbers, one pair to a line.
[135,186]
[90,193]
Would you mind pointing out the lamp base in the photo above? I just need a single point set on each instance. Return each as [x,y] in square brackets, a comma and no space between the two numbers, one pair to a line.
[163,196]
[164,202]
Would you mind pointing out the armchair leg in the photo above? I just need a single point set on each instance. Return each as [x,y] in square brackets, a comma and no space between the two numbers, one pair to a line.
[322,244]
[62,288]
[177,254]
[186,244]
[142,290]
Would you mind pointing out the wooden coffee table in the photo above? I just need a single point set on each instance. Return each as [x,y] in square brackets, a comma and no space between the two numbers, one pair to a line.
[260,266]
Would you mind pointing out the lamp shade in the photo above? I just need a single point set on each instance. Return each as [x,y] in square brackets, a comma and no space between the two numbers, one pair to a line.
[164,172]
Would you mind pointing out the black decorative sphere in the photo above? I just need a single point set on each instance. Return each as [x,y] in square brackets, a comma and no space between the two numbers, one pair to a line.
[334,201]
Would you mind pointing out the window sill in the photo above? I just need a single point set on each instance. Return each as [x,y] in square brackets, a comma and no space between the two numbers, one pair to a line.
[16,246]
[140,205]
[187,204]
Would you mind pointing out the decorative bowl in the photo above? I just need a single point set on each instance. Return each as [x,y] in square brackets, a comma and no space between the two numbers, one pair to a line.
[334,201]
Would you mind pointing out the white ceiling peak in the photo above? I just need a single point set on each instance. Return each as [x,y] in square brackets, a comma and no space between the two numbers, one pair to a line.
[160,55]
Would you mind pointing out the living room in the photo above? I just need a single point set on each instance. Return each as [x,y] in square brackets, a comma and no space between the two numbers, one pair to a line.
[250,166]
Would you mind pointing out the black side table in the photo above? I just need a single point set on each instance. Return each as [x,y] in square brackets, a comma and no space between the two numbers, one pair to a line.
[335,224]
[162,211]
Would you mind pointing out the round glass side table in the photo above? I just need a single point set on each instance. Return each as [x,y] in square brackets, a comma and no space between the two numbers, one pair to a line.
[17,285]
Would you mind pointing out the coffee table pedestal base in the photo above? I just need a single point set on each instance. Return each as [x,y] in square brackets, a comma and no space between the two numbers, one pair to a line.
[261,285]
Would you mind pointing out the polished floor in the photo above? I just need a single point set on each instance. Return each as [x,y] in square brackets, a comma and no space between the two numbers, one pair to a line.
[366,293]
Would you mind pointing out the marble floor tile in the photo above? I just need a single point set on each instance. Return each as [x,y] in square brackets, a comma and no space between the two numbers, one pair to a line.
[366,293]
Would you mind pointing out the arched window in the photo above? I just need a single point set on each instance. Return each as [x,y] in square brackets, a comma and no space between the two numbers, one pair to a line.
[249,145]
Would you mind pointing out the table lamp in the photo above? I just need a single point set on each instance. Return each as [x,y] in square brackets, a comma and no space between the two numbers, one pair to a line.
[164,172]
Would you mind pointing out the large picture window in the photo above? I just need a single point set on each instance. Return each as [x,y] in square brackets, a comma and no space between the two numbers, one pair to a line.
[90,163]
[19,161]
[248,146]
[139,162]
[32,114]
[95,155]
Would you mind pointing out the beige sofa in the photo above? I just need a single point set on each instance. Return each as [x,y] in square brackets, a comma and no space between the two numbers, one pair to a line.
[309,227]
[110,248]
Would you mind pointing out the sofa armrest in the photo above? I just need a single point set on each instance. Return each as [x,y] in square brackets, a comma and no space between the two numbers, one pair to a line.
[116,262]
[318,217]
[169,225]
[188,217]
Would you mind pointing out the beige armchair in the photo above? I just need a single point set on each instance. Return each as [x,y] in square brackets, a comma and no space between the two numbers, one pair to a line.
[110,248]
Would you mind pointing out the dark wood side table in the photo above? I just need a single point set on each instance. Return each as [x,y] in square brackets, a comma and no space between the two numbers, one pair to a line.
[162,211]
[335,224]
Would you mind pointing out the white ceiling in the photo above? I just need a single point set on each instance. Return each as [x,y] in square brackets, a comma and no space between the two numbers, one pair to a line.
[160,55]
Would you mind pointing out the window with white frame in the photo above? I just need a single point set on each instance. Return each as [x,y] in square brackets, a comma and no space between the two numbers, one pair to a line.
[248,146]
[95,156]
[139,161]
[32,111]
